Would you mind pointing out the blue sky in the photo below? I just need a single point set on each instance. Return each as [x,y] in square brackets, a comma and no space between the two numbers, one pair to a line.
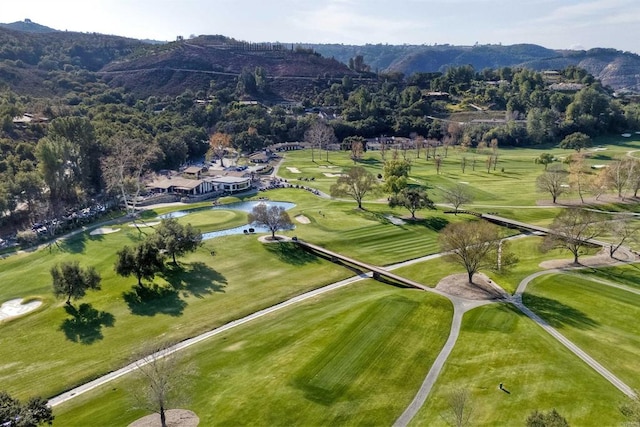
[562,24]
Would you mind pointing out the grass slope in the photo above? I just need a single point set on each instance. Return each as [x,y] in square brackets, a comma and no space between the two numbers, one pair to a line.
[281,370]
[600,319]
[497,345]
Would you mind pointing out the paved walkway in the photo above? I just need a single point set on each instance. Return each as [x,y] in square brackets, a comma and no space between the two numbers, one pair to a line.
[461,307]
[517,301]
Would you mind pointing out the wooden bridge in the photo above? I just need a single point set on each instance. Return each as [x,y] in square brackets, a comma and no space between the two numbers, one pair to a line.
[506,222]
[378,273]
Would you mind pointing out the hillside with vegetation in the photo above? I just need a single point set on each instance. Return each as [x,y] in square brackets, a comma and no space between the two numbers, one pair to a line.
[614,68]
[77,95]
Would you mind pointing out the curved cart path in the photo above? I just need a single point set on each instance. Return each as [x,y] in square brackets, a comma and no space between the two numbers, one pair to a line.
[460,306]
[594,364]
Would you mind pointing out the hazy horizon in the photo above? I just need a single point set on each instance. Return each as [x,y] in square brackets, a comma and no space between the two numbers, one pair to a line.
[556,24]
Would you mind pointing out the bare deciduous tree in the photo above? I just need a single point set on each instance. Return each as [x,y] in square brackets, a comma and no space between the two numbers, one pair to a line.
[320,135]
[163,381]
[623,229]
[457,196]
[273,217]
[553,181]
[572,229]
[473,245]
[578,174]
[125,166]
[356,183]
[460,408]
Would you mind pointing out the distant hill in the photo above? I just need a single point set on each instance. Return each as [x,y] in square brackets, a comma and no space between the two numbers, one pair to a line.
[28,27]
[192,64]
[38,60]
[619,70]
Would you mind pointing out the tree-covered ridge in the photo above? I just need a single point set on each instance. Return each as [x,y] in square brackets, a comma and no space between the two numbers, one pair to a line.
[613,67]
[151,96]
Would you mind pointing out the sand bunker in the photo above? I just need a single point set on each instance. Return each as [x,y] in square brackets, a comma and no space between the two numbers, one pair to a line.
[302,219]
[145,224]
[626,135]
[394,220]
[599,149]
[104,230]
[332,175]
[293,170]
[14,308]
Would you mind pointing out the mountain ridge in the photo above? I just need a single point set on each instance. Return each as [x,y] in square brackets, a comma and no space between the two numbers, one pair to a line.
[168,65]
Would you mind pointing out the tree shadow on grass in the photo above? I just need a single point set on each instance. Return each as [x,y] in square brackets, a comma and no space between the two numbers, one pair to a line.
[434,223]
[558,314]
[197,279]
[86,323]
[77,244]
[291,253]
[154,299]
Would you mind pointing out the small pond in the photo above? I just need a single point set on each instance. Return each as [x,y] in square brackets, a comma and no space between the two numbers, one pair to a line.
[238,206]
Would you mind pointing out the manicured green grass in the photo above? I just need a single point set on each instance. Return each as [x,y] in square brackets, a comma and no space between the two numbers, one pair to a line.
[527,249]
[628,275]
[354,356]
[365,234]
[602,320]
[52,350]
[497,344]
[511,184]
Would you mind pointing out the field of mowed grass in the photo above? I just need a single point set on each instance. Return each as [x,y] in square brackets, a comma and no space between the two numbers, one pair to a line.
[600,319]
[512,183]
[497,345]
[526,248]
[205,291]
[366,235]
[628,275]
[354,356]
[56,347]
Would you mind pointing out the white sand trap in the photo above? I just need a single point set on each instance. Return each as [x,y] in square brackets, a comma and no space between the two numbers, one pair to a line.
[332,175]
[104,230]
[598,166]
[302,219]
[393,220]
[626,135]
[14,308]
[145,224]
[463,182]
[599,149]
[293,170]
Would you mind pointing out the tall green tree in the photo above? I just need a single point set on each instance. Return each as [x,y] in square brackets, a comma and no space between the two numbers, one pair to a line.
[576,141]
[177,239]
[413,199]
[395,172]
[143,261]
[72,281]
[29,187]
[32,413]
[56,159]
[546,419]
[80,132]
